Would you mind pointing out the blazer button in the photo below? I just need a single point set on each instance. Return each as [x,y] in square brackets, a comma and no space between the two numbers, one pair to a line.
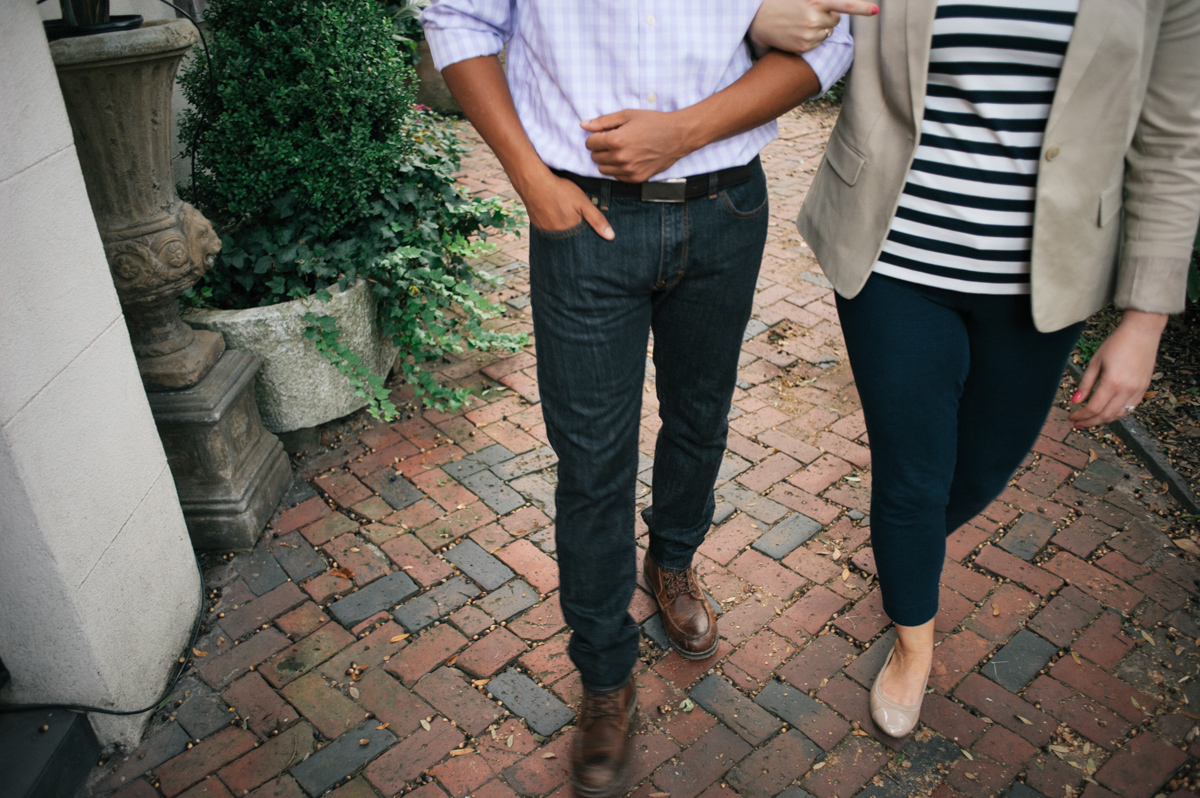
[1052,153]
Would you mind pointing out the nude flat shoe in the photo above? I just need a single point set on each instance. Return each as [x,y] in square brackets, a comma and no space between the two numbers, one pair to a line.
[893,719]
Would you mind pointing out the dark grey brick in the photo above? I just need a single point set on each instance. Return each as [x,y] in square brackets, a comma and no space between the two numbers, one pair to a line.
[796,792]
[928,759]
[1019,790]
[297,556]
[818,722]
[786,536]
[731,466]
[746,779]
[544,713]
[536,488]
[492,491]
[1015,665]
[1027,536]
[203,711]
[507,601]
[722,513]
[342,757]
[753,328]
[444,599]
[857,515]
[528,463]
[463,468]
[299,491]
[393,488]
[476,563]
[544,539]
[867,665]
[752,504]
[491,455]
[260,571]
[653,628]
[750,721]
[380,595]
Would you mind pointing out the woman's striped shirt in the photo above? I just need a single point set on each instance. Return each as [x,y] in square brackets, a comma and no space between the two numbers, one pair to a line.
[965,220]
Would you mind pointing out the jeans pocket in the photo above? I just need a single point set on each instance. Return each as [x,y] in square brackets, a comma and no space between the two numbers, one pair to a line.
[570,232]
[747,200]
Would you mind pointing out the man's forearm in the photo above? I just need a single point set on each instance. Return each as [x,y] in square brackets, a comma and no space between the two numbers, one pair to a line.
[776,84]
[479,86]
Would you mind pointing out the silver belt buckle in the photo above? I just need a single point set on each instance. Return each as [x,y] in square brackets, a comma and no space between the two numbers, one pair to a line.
[673,190]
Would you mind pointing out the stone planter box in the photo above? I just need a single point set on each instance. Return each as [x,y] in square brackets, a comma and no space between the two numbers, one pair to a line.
[297,387]
[431,88]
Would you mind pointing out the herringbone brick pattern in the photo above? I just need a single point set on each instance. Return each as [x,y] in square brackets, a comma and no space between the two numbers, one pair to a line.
[398,629]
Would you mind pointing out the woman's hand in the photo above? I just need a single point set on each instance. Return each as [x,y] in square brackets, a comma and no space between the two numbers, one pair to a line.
[1120,370]
[797,26]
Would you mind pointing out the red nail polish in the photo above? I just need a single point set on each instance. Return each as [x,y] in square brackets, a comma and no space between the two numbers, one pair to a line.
[1078,395]
[874,11]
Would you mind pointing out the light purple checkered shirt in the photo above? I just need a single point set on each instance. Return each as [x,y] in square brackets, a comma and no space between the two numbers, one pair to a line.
[574,60]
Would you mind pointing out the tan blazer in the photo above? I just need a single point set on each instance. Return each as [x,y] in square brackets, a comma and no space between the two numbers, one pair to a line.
[1118,192]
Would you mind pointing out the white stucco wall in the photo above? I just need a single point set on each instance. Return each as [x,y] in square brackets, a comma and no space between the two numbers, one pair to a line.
[98,584]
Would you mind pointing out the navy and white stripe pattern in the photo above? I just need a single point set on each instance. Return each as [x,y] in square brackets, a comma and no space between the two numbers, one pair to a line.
[965,220]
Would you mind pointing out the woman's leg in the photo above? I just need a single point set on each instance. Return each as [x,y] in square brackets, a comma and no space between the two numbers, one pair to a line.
[910,353]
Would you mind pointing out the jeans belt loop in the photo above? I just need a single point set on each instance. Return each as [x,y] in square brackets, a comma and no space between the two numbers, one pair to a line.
[605,194]
[673,190]
[713,185]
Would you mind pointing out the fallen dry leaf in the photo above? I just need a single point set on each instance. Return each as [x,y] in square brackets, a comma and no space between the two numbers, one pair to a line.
[845,573]
[967,754]
[549,755]
[398,638]
[382,726]
[1023,720]
[1149,639]
[198,653]
[818,766]
[1092,455]
[1076,657]
[344,573]
[461,751]
[1188,545]
[659,795]
[995,610]
[425,724]
[481,683]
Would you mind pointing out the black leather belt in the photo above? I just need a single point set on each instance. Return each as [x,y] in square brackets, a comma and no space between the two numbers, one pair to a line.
[678,189]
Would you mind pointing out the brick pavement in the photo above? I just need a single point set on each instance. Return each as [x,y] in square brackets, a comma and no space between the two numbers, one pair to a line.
[397,631]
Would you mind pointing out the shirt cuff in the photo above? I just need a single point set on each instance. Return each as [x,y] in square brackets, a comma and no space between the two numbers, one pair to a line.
[831,59]
[449,45]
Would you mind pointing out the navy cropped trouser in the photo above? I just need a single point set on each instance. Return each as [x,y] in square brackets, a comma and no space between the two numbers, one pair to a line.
[955,388]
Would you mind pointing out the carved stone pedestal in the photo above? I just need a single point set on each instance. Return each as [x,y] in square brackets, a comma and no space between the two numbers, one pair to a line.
[229,471]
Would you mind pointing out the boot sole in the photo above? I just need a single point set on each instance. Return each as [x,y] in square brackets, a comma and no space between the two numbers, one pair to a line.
[694,655]
[618,784]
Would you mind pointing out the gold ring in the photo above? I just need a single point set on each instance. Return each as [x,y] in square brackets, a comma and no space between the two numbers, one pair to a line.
[828,32]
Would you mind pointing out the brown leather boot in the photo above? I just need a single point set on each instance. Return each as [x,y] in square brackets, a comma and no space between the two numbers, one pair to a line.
[600,754]
[689,619]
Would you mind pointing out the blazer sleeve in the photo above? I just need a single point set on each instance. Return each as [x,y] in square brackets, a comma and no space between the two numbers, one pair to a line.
[1162,171]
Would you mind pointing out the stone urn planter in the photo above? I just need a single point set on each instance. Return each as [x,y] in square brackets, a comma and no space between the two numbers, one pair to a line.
[297,387]
[431,88]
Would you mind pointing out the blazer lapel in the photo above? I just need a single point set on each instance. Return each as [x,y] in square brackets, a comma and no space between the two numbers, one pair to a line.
[1092,23]
[919,16]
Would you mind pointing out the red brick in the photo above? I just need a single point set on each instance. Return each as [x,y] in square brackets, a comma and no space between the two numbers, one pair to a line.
[305,655]
[369,652]
[775,468]
[1013,604]
[350,552]
[993,701]
[1044,478]
[980,779]
[381,458]
[303,514]
[853,703]
[964,541]
[1120,566]
[955,657]
[682,672]
[238,660]
[808,615]
[406,759]
[807,562]
[1104,688]
[323,587]
[649,751]
[523,521]
[951,720]
[326,529]
[324,707]
[1162,591]
[540,622]
[1179,572]
[1064,454]
[431,649]
[865,619]
[412,557]
[750,424]
[1140,768]
[549,662]
[538,569]
[1103,642]
[1003,746]
[684,727]
[343,487]
[817,662]
[952,609]
[805,503]
[391,702]
[459,523]
[491,537]
[259,705]
[497,410]
[262,610]
[852,495]
[1031,503]
[416,515]
[1091,506]
[851,426]
[462,775]
[491,653]
[847,450]
[429,790]
[1082,536]
[1004,564]
[1082,714]
[209,788]
[763,572]
[177,774]
[511,437]
[789,445]
[745,448]
[702,764]
[438,485]
[424,461]
[847,769]
[1050,775]
[762,655]
[302,621]
[729,539]
[966,582]
[537,774]
[269,760]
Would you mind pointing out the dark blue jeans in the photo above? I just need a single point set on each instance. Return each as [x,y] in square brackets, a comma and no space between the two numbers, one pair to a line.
[687,272]
[955,389]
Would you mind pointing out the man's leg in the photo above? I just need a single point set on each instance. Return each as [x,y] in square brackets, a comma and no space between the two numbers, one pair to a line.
[700,313]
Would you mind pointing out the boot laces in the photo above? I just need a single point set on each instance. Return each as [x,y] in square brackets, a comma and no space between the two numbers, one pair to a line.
[677,583]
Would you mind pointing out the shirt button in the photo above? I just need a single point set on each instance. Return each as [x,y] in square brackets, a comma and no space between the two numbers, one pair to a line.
[651,97]
[1052,153]
[650,20]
